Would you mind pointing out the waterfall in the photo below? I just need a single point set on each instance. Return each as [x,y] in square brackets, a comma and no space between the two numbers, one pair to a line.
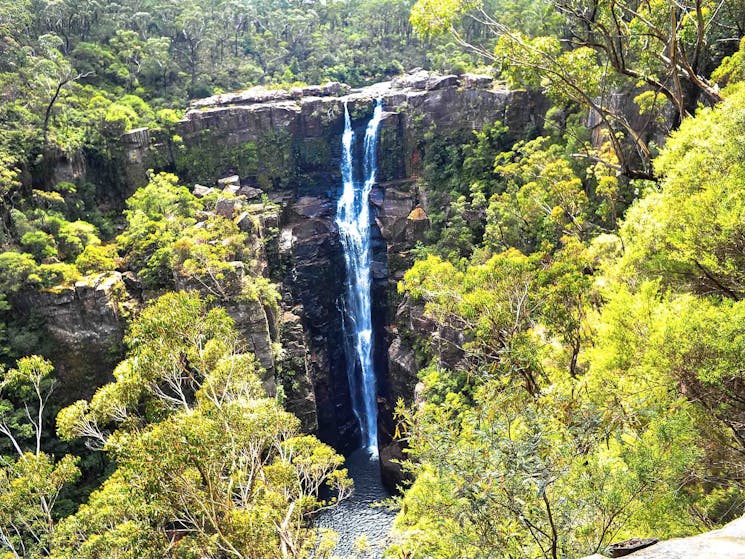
[353,220]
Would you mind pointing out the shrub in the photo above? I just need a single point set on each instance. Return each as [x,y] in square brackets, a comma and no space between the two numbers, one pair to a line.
[40,244]
[97,258]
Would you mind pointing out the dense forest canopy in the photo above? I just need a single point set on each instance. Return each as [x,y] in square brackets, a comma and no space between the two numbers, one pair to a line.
[75,70]
[580,293]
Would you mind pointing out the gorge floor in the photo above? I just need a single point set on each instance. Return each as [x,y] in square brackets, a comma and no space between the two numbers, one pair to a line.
[364,514]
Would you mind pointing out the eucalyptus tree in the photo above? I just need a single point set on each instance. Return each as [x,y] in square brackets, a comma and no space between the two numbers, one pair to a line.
[31,480]
[207,464]
[667,49]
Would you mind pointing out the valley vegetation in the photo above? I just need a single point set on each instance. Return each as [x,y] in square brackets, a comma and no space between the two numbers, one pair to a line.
[584,383]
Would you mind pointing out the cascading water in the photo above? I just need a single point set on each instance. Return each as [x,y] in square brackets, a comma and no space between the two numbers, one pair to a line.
[358,516]
[353,220]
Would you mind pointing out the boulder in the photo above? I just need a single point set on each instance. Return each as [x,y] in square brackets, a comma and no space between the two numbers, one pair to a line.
[439,82]
[249,192]
[395,204]
[627,547]
[233,180]
[445,343]
[477,81]
[253,322]
[313,207]
[226,207]
[201,191]
[131,281]
[247,223]
[333,89]
[391,473]
[417,79]
[417,225]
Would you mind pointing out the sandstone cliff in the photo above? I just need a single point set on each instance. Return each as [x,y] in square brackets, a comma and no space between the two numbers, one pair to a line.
[280,151]
[726,543]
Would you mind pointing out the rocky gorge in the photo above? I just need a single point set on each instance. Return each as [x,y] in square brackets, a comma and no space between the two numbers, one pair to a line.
[275,155]
[271,158]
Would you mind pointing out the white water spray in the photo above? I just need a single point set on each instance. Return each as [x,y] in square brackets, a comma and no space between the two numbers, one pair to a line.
[353,220]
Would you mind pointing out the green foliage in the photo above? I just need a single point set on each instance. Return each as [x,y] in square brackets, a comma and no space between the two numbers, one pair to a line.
[514,474]
[542,441]
[531,195]
[164,242]
[459,177]
[97,258]
[687,232]
[208,264]
[31,481]
[543,62]
[438,16]
[200,451]
[174,344]
[543,199]
[119,119]
[580,55]
[134,53]
[269,162]
[17,270]
[51,243]
[59,273]
[496,306]
[732,68]
[589,391]
[157,215]
[41,245]
[29,488]
[464,17]
[75,237]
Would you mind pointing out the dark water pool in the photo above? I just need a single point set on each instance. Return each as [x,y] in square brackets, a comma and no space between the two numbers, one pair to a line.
[358,515]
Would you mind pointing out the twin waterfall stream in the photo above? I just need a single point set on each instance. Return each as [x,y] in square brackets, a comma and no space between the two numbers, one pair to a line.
[355,519]
[353,220]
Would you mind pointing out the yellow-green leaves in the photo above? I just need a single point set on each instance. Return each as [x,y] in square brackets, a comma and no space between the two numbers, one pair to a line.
[29,489]
[433,17]
[30,482]
[688,233]
[542,62]
[543,200]
[732,68]
[207,464]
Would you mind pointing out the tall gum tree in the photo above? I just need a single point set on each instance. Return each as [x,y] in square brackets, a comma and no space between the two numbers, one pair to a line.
[666,48]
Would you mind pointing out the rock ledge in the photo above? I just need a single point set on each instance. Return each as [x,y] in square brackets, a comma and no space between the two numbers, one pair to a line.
[726,543]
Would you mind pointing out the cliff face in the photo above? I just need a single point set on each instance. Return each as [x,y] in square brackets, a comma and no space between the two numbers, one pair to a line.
[285,148]
[290,139]
[83,327]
